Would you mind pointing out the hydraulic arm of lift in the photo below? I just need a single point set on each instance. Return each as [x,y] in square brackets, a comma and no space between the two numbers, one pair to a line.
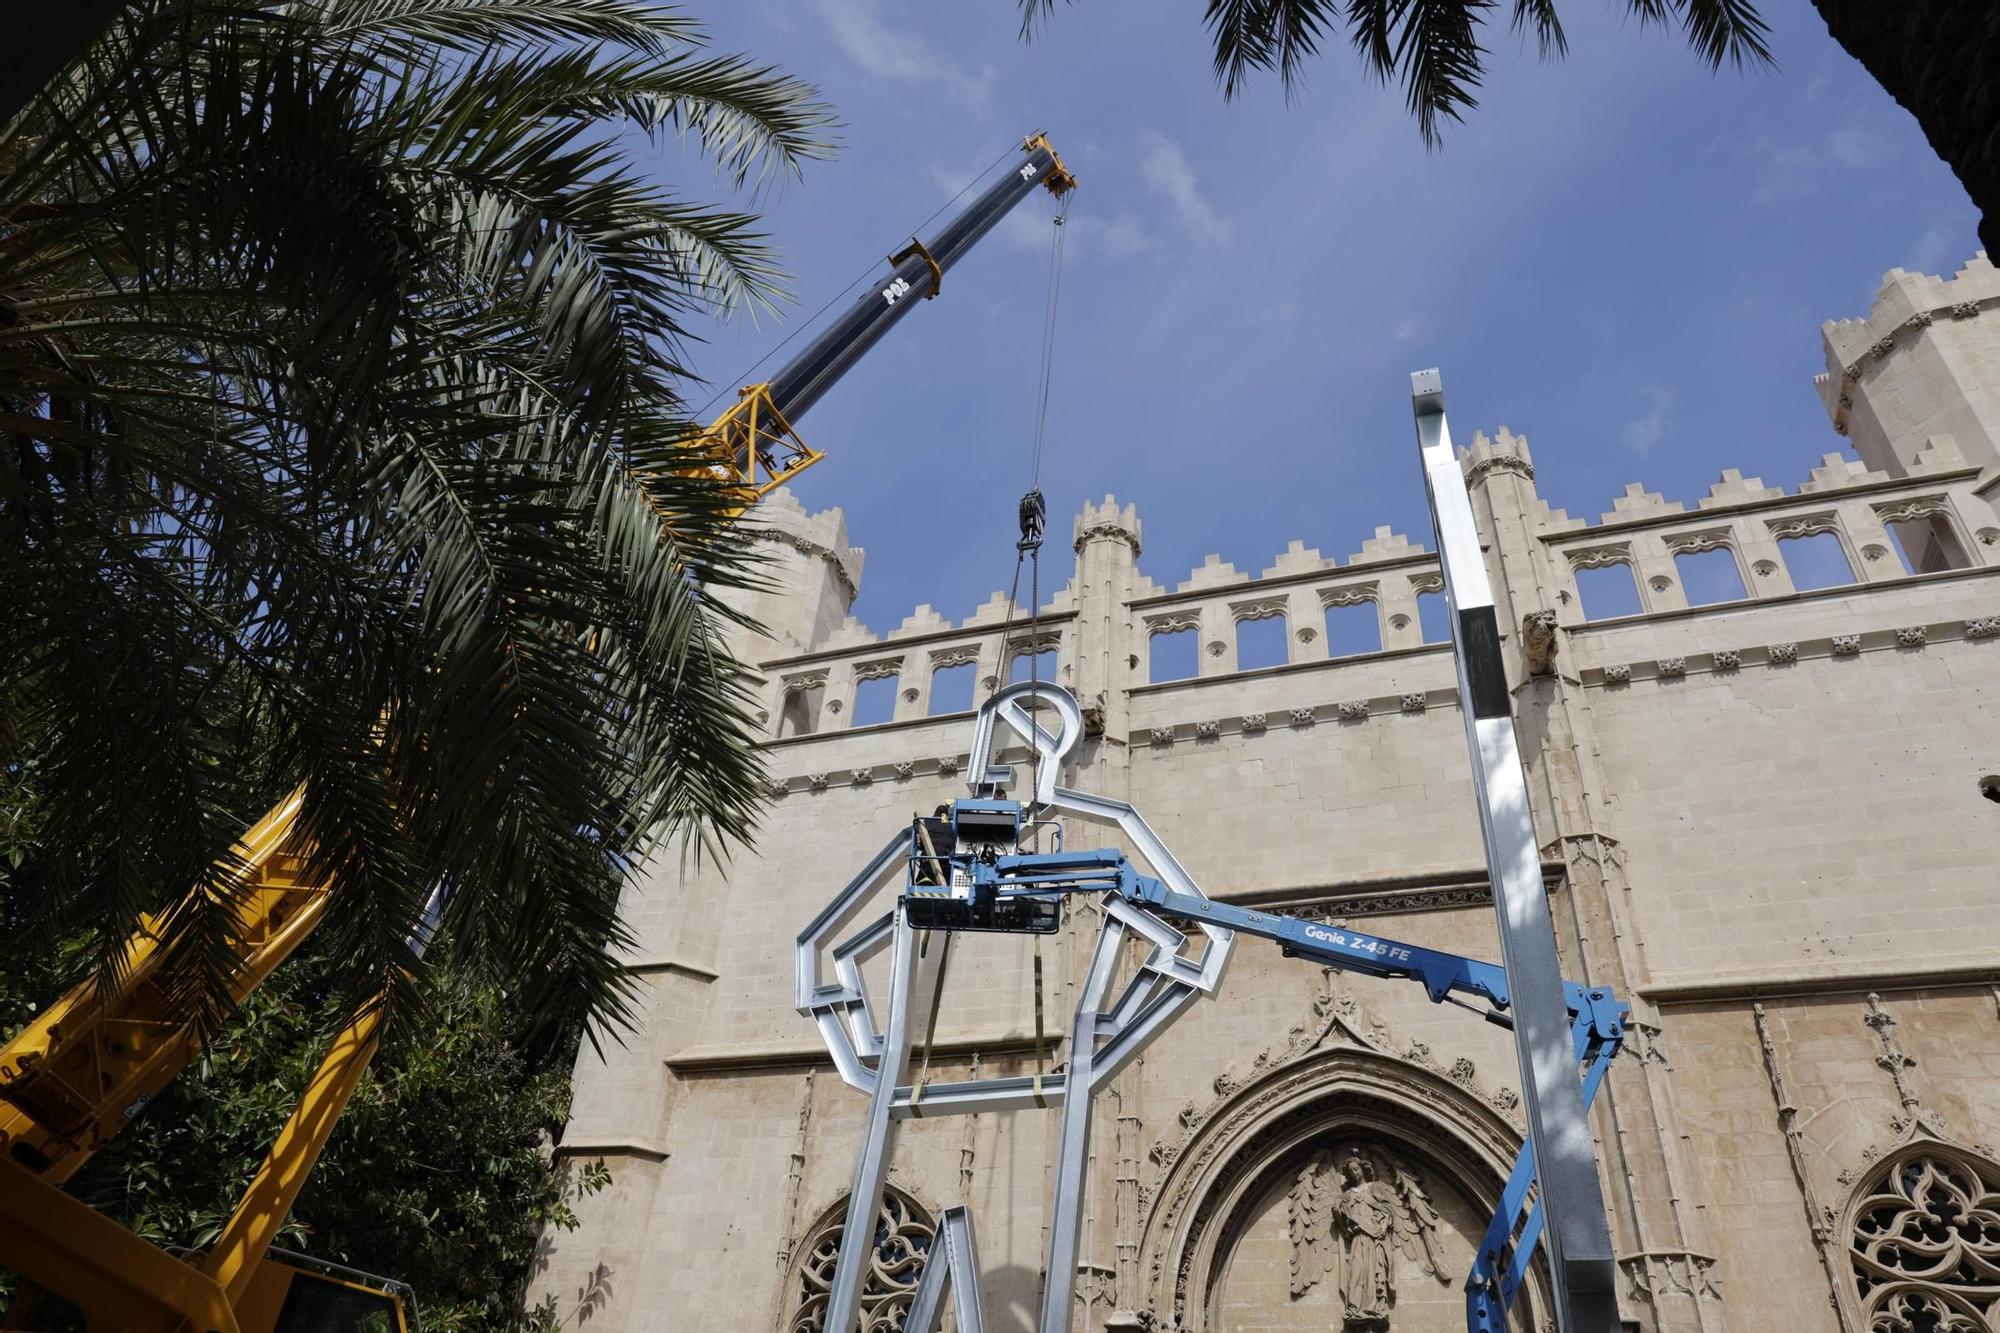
[979,889]
[74,1078]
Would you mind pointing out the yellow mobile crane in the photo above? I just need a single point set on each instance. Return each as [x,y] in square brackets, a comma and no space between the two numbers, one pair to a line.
[90,1063]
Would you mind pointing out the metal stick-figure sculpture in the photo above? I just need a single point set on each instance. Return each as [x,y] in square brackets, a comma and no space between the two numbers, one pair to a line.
[1105,1034]
[972,872]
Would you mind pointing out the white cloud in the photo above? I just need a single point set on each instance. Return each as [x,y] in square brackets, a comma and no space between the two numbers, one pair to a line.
[1934,249]
[1641,433]
[893,53]
[1121,236]
[1795,163]
[1167,174]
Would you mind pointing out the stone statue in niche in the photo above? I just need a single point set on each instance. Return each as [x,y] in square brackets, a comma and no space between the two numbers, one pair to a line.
[1351,1213]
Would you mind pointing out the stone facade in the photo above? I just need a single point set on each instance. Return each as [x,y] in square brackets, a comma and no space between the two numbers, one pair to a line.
[1762,820]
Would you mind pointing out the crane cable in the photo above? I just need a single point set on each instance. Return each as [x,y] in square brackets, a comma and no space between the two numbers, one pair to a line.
[1033,518]
[1034,521]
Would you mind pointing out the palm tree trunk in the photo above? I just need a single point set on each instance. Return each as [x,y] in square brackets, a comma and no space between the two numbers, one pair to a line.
[1941,60]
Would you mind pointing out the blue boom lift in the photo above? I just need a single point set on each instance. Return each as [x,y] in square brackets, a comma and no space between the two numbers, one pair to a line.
[965,876]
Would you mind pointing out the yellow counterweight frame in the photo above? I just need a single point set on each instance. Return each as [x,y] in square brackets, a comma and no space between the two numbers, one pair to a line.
[753,448]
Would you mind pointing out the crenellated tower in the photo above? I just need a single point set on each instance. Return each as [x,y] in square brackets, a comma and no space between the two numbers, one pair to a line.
[1919,378]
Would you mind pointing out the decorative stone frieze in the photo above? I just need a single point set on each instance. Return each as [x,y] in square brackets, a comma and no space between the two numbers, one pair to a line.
[1911,510]
[1846,645]
[1354,710]
[1336,910]
[1913,636]
[1783,654]
[1693,543]
[1265,608]
[1160,737]
[1600,557]
[905,770]
[1416,703]
[1672,668]
[1811,526]
[1207,731]
[817,781]
[776,787]
[1302,717]
[1520,467]
[1726,659]
[1651,1275]
[1986,627]
[1253,723]
[947,765]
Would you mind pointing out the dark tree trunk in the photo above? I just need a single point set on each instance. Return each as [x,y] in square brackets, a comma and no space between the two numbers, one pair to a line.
[43,37]
[1941,60]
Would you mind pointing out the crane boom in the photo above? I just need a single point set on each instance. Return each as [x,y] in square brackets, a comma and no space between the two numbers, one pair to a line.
[754,445]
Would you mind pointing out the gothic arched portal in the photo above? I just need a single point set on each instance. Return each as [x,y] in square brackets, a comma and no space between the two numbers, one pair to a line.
[1342,1191]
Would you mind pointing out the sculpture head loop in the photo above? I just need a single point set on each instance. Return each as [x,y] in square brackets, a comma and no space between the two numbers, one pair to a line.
[1021,707]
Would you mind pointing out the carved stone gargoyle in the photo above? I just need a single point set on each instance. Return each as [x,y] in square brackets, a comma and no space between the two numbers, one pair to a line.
[1540,640]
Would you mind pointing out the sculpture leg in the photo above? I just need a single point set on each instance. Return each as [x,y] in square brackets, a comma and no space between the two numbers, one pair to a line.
[1073,1148]
[954,1264]
[864,1201]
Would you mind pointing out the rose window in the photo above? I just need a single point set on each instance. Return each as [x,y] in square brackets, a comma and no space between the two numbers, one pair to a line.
[1926,1244]
[903,1236]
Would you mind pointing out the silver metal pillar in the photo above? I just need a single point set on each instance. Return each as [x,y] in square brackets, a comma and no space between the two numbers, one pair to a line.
[878,1141]
[953,1263]
[1073,1147]
[1578,1239]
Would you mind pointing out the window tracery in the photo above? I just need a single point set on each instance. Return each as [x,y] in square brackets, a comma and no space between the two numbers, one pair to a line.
[904,1232]
[1925,1243]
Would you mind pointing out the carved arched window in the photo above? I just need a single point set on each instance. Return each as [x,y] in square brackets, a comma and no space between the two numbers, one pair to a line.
[1925,1243]
[903,1236]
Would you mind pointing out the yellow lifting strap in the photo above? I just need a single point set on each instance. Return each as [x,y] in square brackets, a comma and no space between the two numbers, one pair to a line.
[1040,1053]
[930,1028]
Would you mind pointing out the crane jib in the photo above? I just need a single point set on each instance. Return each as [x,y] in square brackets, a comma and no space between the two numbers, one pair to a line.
[815,369]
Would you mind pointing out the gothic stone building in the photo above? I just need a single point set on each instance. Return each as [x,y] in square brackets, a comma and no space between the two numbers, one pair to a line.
[1769,820]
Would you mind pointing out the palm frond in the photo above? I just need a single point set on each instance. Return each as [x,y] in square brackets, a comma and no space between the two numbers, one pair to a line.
[477,25]
[1541,17]
[1430,46]
[1726,30]
[335,340]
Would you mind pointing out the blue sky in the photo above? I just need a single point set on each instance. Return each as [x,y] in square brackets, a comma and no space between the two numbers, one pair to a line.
[1621,256]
